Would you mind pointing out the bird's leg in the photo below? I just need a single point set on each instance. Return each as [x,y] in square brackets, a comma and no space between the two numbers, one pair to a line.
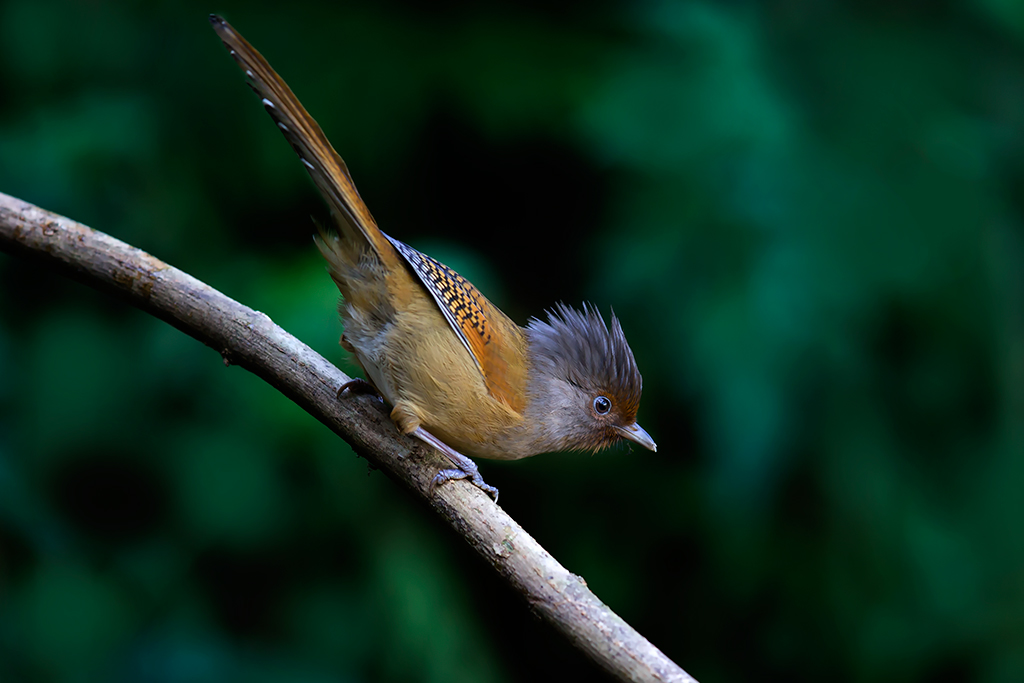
[464,467]
[359,385]
[408,420]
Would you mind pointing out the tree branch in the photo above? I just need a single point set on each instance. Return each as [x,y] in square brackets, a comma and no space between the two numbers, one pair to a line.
[251,340]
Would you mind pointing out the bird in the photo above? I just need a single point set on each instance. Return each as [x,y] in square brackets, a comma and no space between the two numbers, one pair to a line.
[458,373]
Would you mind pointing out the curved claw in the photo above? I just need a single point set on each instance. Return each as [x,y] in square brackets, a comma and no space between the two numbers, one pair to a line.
[359,386]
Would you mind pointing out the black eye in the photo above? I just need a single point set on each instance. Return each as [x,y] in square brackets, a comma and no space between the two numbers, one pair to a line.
[602,405]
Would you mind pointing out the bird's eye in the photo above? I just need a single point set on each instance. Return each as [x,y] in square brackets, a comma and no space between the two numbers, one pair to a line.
[602,405]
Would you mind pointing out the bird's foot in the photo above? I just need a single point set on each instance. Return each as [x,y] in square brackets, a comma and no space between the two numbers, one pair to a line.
[473,475]
[464,467]
[359,386]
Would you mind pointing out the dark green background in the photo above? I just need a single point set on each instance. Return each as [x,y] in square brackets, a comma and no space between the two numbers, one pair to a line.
[808,215]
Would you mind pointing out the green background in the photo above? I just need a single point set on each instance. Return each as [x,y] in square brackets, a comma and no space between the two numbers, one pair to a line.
[807,214]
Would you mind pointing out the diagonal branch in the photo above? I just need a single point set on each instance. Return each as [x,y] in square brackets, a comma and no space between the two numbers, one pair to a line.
[250,339]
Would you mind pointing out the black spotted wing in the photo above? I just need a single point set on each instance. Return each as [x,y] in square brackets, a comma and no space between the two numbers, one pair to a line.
[461,303]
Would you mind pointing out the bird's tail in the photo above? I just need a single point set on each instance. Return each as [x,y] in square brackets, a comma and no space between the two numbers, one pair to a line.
[325,166]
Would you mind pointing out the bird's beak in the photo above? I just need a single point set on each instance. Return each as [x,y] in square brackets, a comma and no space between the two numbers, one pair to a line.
[636,434]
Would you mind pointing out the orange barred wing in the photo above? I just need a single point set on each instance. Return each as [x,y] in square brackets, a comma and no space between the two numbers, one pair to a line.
[474,319]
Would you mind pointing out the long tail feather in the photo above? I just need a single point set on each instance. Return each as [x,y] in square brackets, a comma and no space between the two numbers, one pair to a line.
[325,166]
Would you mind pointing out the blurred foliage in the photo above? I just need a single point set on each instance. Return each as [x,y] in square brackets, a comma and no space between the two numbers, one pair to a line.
[807,214]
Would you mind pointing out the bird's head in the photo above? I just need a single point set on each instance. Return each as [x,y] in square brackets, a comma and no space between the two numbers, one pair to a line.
[586,385]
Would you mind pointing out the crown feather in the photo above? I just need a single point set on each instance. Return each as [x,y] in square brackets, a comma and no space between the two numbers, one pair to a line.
[578,347]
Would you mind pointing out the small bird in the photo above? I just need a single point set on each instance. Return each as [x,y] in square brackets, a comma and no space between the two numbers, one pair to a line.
[458,373]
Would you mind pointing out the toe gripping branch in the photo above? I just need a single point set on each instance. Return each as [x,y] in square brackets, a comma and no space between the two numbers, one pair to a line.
[359,385]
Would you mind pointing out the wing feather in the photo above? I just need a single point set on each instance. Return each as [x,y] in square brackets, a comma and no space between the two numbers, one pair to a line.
[491,339]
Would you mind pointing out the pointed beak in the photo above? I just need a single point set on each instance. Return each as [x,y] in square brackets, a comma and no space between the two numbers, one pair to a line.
[636,434]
